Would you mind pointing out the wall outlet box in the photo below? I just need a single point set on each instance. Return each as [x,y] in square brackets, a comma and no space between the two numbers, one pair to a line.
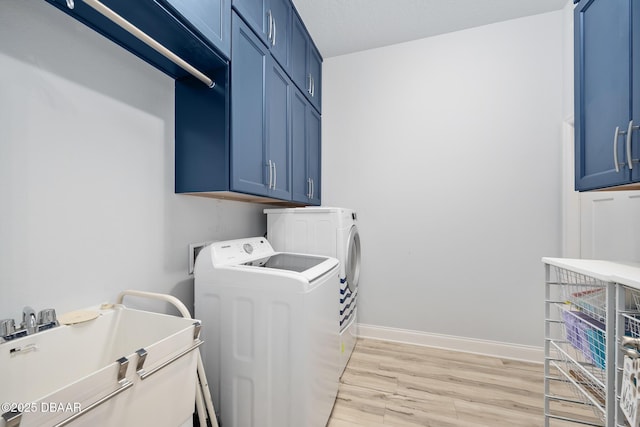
[194,250]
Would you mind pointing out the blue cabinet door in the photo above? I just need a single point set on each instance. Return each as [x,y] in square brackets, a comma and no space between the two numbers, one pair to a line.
[314,154]
[299,47]
[602,92]
[211,18]
[315,72]
[278,131]
[254,12]
[300,185]
[306,63]
[280,12]
[635,107]
[305,124]
[249,168]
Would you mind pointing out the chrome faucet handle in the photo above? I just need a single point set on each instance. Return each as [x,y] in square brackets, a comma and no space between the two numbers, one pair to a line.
[47,316]
[7,327]
[47,319]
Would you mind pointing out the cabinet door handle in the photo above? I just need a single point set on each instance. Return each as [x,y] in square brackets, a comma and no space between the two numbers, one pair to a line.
[312,189]
[313,87]
[270,173]
[270,24]
[630,130]
[275,175]
[309,88]
[275,31]
[617,133]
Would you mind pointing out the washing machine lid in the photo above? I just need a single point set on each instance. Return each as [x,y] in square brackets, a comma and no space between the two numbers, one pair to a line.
[255,254]
[289,261]
[311,267]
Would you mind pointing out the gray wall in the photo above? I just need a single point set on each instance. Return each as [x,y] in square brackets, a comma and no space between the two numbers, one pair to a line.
[449,148]
[86,171]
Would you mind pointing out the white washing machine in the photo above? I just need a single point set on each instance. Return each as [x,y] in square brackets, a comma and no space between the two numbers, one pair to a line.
[269,333]
[330,232]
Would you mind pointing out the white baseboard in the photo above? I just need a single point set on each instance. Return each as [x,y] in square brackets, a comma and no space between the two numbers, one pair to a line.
[449,342]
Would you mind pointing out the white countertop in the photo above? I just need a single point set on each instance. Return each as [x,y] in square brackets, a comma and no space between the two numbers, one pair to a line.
[625,273]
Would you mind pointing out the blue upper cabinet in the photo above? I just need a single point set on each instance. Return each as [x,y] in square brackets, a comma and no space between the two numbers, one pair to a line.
[271,21]
[251,171]
[300,185]
[254,12]
[314,155]
[300,46]
[305,135]
[606,139]
[211,18]
[260,136]
[279,89]
[280,14]
[315,75]
[306,63]
[635,106]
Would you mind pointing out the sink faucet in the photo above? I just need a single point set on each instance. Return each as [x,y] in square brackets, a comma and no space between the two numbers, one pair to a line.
[29,320]
[31,324]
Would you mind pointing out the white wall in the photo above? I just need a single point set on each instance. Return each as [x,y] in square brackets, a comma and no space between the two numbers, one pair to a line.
[450,150]
[86,171]
[567,56]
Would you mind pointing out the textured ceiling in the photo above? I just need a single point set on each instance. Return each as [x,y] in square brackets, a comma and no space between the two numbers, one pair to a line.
[339,27]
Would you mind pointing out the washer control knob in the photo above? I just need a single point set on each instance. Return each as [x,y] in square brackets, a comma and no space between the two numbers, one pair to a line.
[248,248]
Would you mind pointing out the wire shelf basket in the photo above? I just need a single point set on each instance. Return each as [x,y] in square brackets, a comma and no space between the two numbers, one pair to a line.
[584,381]
[579,357]
[587,338]
[631,325]
[586,293]
[578,344]
[635,294]
[629,343]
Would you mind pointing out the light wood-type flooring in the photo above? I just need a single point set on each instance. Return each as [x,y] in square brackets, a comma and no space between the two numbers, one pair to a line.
[393,384]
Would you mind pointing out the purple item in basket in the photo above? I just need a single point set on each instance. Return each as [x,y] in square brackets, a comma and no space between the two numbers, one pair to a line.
[575,334]
[581,332]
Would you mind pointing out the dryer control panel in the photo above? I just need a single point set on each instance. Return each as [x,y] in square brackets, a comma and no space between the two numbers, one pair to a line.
[240,251]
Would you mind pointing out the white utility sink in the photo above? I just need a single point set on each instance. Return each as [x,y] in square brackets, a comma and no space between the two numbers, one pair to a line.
[77,375]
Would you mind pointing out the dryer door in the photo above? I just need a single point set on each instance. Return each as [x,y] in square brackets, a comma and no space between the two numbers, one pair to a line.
[352,262]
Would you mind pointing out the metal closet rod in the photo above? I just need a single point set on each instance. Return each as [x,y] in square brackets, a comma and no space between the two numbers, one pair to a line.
[143,37]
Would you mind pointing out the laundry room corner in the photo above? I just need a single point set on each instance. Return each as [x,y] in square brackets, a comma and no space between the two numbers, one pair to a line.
[438,145]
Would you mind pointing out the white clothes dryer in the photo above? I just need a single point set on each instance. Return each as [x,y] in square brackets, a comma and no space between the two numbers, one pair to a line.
[269,333]
[327,231]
